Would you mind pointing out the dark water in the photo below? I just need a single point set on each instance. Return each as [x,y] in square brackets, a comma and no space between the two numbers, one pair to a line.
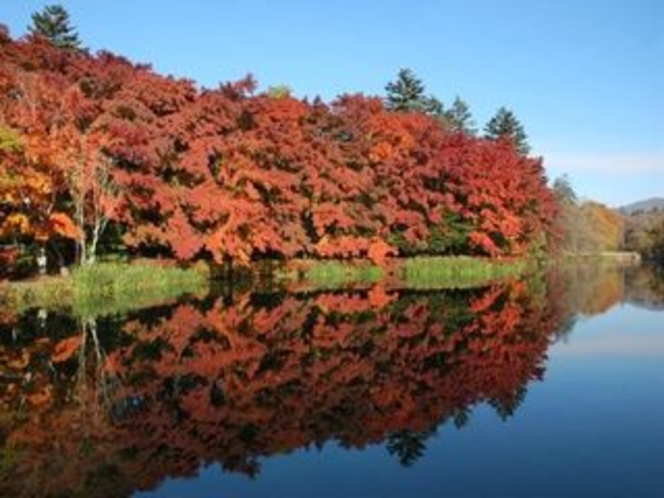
[550,387]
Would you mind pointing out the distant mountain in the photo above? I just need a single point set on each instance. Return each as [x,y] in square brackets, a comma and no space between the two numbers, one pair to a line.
[646,205]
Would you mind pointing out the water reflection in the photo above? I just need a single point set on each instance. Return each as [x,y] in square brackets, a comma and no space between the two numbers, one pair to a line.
[106,407]
[645,287]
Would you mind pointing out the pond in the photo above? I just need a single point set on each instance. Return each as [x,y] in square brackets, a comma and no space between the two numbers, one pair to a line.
[546,386]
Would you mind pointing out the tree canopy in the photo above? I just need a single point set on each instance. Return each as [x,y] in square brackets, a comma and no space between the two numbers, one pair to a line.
[94,145]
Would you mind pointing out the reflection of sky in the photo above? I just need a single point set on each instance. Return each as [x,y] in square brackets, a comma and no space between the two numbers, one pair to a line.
[624,330]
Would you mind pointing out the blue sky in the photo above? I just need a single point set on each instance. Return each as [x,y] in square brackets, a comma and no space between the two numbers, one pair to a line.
[585,77]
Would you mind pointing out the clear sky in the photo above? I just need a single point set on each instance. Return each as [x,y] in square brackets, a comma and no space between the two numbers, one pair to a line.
[585,77]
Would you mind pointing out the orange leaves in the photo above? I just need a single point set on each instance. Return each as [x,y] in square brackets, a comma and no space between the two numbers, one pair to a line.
[378,297]
[345,246]
[66,348]
[185,242]
[381,152]
[482,242]
[379,250]
[63,225]
[327,215]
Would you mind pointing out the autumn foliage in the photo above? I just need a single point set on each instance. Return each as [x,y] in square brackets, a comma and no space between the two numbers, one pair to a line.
[229,173]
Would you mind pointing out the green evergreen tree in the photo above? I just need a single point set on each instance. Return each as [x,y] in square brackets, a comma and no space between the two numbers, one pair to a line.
[407,94]
[505,124]
[564,192]
[53,23]
[407,445]
[459,118]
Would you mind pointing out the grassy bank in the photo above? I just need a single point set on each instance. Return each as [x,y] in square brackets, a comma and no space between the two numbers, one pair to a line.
[456,272]
[416,273]
[335,274]
[104,288]
[113,288]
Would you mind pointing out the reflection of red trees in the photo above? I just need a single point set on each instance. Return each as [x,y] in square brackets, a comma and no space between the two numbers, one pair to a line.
[267,375]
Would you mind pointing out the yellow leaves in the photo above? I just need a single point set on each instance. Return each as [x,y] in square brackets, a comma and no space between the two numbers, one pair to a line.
[242,256]
[16,223]
[9,140]
[26,195]
[39,184]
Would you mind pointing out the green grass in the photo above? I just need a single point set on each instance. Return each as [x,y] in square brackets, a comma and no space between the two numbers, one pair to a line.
[415,273]
[329,274]
[104,288]
[335,274]
[456,272]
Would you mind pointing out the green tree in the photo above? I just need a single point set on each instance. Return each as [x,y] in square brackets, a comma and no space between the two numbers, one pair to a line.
[505,124]
[645,234]
[279,91]
[407,94]
[407,445]
[562,188]
[657,247]
[53,23]
[507,406]
[459,117]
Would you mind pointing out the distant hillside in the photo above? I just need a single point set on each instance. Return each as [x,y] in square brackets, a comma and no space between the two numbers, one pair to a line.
[646,205]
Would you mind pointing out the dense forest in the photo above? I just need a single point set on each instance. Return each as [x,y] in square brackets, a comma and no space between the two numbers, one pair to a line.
[589,227]
[97,152]
[644,232]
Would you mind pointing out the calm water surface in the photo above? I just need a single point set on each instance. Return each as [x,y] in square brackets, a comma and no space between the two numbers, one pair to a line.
[551,387]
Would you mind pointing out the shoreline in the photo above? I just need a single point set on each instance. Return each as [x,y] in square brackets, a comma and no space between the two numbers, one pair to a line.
[114,288]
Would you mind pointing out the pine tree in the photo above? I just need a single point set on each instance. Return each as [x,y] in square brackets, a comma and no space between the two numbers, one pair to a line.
[407,94]
[53,24]
[505,124]
[459,118]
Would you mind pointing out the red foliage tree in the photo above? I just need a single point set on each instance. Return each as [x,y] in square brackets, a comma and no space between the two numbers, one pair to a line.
[234,175]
